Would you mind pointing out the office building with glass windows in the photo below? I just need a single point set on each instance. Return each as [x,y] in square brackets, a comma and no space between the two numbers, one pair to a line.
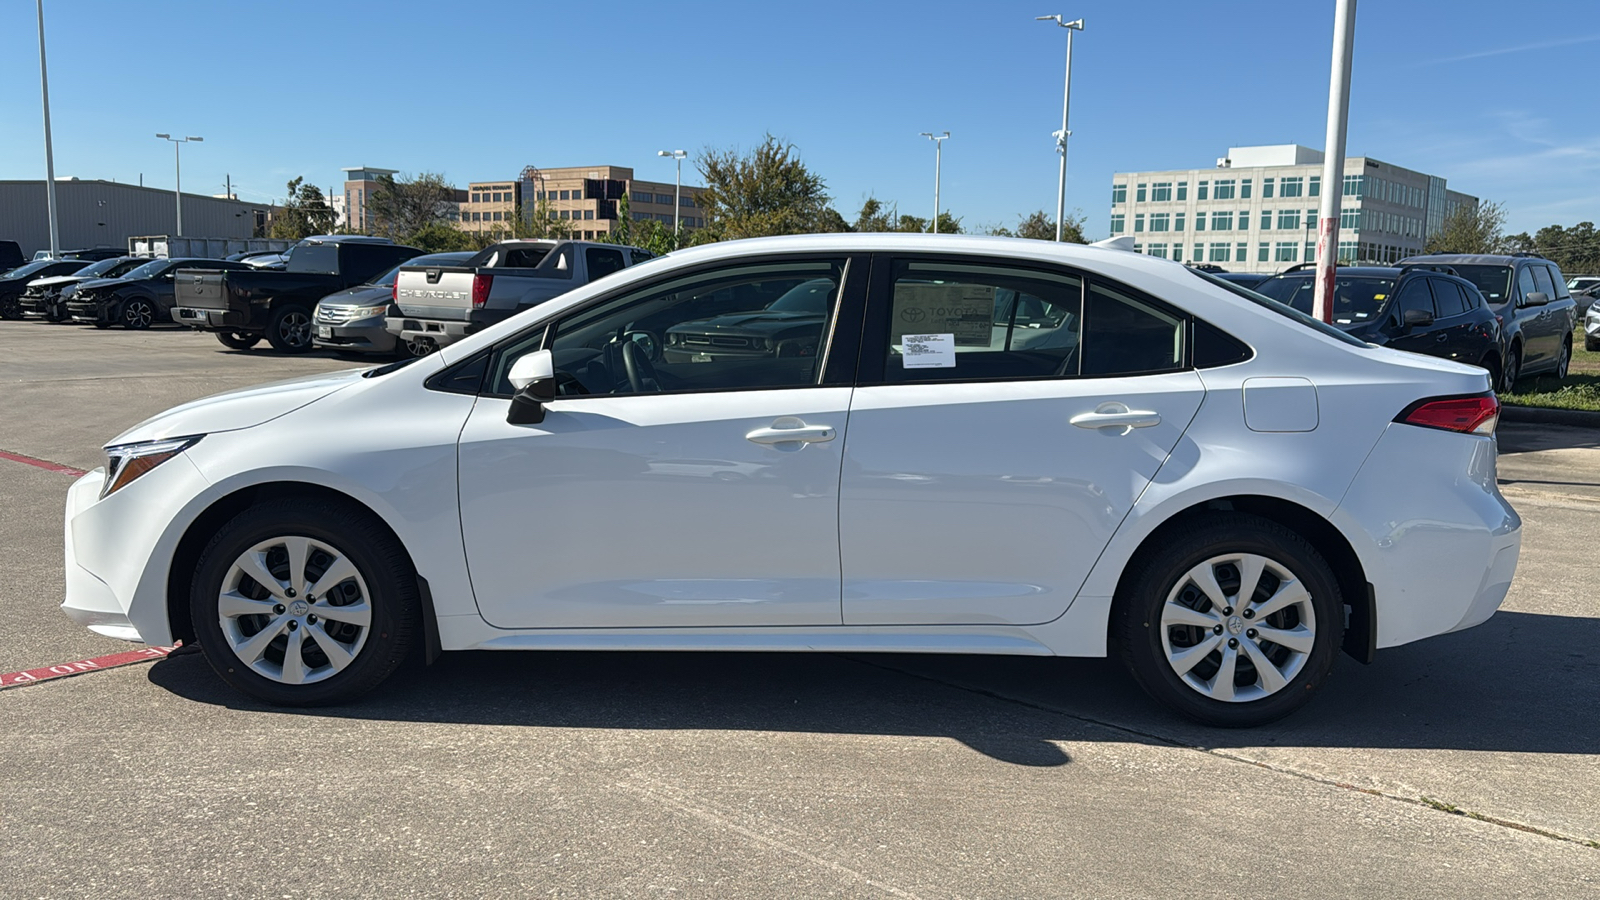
[587,197]
[1256,211]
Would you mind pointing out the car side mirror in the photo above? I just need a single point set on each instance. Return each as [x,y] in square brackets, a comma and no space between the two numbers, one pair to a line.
[1535,298]
[534,377]
[1416,318]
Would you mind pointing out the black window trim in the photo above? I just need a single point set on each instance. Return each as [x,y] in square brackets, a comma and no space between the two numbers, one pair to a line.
[872,371]
[842,347]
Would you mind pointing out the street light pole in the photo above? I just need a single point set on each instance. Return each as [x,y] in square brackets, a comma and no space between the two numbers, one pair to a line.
[177,159]
[677,187]
[1062,135]
[49,152]
[938,152]
[1344,38]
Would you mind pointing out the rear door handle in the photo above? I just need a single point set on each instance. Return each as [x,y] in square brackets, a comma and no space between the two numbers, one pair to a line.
[791,430]
[1116,415]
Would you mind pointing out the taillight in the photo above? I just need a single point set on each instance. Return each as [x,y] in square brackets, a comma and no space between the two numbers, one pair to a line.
[1477,414]
[394,291]
[480,290]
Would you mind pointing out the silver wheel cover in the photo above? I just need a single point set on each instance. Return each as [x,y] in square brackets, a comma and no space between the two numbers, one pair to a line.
[1238,627]
[294,609]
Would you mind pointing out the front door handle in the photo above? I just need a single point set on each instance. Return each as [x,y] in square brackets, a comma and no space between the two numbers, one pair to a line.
[1116,415]
[790,430]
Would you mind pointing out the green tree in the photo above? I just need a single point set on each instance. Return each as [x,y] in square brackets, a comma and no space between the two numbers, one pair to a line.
[1470,228]
[875,216]
[768,191]
[646,234]
[401,207]
[440,237]
[1576,250]
[1041,226]
[303,213]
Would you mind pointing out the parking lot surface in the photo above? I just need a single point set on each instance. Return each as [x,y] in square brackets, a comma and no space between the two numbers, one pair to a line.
[1462,765]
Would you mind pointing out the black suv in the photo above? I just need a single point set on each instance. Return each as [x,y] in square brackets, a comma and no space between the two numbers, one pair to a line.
[1529,296]
[1423,309]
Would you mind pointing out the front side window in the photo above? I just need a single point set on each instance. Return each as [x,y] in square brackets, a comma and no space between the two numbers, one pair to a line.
[745,327]
[1543,282]
[1525,285]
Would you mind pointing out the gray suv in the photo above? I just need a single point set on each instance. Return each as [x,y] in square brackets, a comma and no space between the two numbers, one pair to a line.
[1529,296]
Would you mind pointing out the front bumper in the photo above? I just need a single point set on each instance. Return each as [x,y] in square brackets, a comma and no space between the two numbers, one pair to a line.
[1591,327]
[90,312]
[33,305]
[119,550]
[1441,543]
[364,335]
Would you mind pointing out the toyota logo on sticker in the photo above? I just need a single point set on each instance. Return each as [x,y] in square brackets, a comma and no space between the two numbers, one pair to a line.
[913,314]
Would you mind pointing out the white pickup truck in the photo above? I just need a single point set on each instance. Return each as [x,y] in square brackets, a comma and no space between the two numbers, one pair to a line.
[438,305]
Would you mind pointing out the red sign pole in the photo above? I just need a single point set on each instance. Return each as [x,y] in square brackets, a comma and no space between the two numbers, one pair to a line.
[1344,35]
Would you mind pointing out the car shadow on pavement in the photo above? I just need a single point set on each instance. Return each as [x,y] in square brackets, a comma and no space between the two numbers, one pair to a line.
[1525,437]
[1519,682]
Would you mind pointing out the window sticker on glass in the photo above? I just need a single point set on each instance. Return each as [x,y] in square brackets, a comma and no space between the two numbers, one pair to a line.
[964,311]
[928,351]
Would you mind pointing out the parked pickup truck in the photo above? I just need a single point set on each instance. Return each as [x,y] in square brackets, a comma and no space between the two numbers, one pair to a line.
[438,305]
[242,307]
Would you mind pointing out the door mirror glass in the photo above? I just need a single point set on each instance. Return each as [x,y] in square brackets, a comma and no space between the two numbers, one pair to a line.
[1417,318]
[1535,298]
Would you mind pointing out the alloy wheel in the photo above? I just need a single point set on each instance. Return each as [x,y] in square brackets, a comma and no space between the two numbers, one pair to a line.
[294,609]
[138,314]
[1238,627]
[295,329]
[1565,364]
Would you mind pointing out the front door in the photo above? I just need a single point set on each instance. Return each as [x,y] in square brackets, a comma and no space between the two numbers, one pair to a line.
[1017,416]
[687,475]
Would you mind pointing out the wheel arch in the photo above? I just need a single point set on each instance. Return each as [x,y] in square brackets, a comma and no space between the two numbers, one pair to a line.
[1361,633]
[186,555]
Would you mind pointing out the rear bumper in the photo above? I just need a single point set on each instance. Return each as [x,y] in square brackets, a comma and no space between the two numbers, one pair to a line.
[210,319]
[439,331]
[1440,542]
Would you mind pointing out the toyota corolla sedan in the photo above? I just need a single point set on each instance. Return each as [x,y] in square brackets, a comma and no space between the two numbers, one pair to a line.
[1213,487]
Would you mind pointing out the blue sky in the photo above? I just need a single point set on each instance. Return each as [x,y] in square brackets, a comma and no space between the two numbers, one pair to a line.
[1500,99]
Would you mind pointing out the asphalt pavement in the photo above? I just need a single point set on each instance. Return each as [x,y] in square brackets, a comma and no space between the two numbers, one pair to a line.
[1462,765]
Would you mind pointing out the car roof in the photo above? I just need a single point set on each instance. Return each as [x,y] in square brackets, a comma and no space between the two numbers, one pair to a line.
[1470,259]
[1366,271]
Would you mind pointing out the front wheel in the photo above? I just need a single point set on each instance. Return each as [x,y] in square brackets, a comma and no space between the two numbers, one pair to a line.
[10,307]
[238,340]
[304,602]
[1234,620]
[1564,364]
[138,314]
[289,330]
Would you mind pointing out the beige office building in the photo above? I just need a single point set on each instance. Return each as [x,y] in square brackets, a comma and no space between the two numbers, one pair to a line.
[1257,210]
[588,198]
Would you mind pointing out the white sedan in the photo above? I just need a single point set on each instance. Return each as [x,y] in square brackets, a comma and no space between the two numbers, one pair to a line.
[1215,488]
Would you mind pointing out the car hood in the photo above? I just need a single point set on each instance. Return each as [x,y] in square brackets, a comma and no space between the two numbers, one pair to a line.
[360,295]
[93,283]
[54,280]
[243,408]
[763,321]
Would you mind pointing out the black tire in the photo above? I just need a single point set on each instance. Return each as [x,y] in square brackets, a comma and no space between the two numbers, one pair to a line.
[1491,364]
[102,325]
[1513,371]
[414,348]
[289,329]
[10,307]
[1564,364]
[1590,344]
[138,314]
[238,340]
[1163,572]
[380,562]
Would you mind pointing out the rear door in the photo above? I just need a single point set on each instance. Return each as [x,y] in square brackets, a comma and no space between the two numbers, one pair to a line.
[1007,418]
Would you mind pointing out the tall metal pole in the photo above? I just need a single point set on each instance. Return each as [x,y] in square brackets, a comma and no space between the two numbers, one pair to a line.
[49,152]
[177,161]
[1344,38]
[938,154]
[1062,135]
[677,189]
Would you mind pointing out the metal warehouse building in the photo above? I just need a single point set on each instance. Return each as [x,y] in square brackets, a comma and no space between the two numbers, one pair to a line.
[106,214]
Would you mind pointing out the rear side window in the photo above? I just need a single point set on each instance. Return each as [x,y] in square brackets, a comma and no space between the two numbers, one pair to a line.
[1447,298]
[1123,335]
[603,261]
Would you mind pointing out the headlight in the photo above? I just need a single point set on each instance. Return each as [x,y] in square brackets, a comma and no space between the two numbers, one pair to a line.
[365,311]
[125,463]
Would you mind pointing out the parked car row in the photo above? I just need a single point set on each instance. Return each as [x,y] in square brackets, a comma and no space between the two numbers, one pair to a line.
[1512,315]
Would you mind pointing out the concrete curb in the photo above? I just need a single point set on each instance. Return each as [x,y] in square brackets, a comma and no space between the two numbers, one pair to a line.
[1539,415]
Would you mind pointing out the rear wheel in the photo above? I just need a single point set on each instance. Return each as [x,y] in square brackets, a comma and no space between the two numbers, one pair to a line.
[417,346]
[1564,364]
[289,330]
[138,314]
[1491,364]
[10,307]
[304,603]
[1233,620]
[238,340]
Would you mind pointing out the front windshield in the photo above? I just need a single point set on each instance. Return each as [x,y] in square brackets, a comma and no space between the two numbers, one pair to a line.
[1356,298]
[1493,281]
[1281,309]
[150,269]
[806,297]
[98,268]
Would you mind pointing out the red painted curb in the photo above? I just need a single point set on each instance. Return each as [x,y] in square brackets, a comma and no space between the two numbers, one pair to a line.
[45,464]
[66,670]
